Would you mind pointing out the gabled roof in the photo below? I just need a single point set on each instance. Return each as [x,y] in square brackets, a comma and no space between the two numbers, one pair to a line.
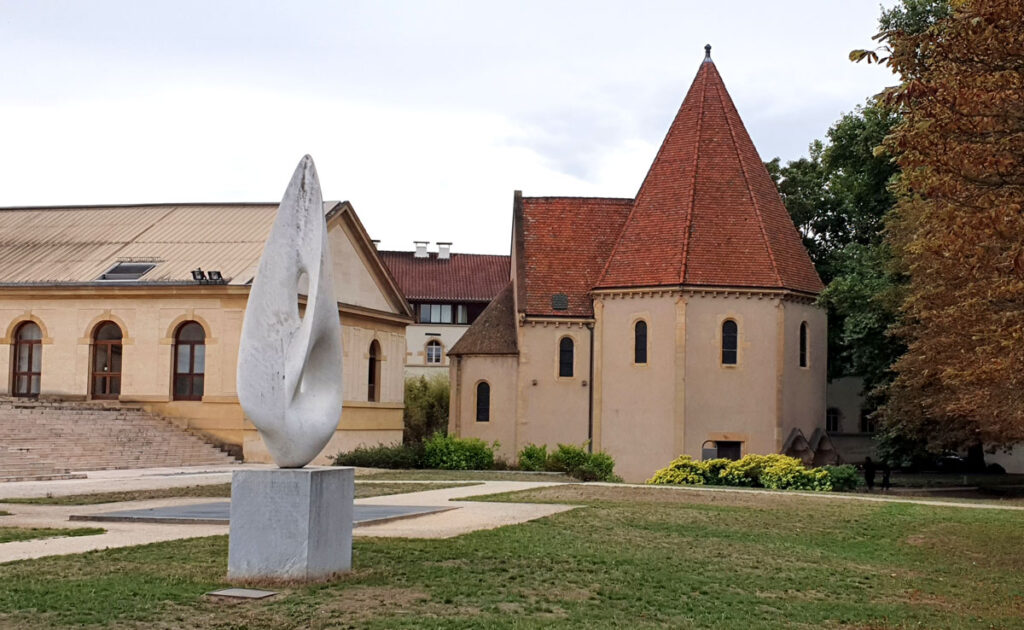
[494,332]
[708,213]
[460,278]
[76,244]
[562,244]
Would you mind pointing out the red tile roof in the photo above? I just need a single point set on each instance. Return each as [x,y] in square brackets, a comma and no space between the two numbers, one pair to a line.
[565,242]
[708,213]
[494,332]
[461,278]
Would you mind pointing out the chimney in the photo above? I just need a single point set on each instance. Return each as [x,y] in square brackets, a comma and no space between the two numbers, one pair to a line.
[421,249]
[376,243]
[444,250]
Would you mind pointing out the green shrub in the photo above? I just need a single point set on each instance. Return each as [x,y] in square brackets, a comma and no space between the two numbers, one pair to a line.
[576,462]
[683,470]
[844,478]
[383,456]
[533,457]
[567,458]
[712,470]
[745,471]
[778,472]
[598,467]
[452,453]
[426,408]
[789,473]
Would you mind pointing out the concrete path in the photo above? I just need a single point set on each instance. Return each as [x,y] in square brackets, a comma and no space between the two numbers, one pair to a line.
[469,516]
[122,480]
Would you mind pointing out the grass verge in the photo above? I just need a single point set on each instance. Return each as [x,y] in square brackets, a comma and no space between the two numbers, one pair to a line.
[14,534]
[629,557]
[363,489]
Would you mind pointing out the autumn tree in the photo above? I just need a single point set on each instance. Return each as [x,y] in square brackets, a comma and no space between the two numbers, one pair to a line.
[957,230]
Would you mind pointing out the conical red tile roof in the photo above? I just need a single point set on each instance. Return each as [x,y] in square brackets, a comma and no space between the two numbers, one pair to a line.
[708,213]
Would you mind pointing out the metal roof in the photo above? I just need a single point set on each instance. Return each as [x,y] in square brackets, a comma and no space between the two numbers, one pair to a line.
[44,245]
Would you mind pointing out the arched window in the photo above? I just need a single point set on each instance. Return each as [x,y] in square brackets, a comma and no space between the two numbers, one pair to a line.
[640,342]
[106,360]
[803,344]
[730,342]
[189,361]
[373,373]
[565,358]
[483,402]
[28,359]
[434,351]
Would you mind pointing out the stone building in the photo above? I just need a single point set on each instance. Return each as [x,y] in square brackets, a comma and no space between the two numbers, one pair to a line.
[680,320]
[447,291]
[144,304]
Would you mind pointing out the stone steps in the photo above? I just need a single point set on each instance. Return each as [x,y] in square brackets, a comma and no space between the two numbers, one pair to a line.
[49,439]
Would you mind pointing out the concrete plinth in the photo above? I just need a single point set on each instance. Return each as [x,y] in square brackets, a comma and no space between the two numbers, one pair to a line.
[291,524]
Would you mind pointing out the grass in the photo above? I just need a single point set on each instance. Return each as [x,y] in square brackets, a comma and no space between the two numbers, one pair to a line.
[636,557]
[363,489]
[14,534]
[462,475]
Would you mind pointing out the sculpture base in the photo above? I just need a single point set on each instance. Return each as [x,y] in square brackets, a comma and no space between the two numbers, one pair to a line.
[291,524]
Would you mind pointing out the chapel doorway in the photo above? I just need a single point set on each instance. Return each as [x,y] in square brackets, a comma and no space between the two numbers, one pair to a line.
[28,359]
[106,361]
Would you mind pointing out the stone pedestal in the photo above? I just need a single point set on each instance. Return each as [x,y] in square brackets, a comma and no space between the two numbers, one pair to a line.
[291,523]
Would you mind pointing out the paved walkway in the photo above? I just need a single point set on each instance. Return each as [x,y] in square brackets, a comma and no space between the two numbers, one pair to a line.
[469,516]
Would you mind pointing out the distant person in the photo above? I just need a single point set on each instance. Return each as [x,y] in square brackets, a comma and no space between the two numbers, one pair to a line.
[886,473]
[869,473]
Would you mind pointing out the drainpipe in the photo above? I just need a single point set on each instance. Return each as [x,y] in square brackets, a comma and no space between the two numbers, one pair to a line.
[590,409]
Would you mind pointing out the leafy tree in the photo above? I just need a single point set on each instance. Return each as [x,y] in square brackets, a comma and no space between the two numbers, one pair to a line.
[838,197]
[426,408]
[958,227]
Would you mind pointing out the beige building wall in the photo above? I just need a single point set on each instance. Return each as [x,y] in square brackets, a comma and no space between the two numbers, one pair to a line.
[731,402]
[148,319]
[635,405]
[499,371]
[803,388]
[552,409]
[418,335]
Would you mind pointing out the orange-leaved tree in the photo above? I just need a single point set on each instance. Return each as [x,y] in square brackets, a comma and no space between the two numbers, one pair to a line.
[957,229]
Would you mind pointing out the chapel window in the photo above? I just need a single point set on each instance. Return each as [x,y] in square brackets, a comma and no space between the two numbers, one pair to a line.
[640,342]
[832,420]
[730,342]
[565,357]
[483,402]
[803,344]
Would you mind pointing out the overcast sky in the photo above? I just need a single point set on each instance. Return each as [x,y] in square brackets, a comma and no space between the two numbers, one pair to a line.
[425,115]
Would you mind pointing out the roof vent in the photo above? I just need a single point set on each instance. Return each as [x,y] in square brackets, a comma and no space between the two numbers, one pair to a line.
[560,302]
[376,243]
[421,249]
[444,250]
[127,271]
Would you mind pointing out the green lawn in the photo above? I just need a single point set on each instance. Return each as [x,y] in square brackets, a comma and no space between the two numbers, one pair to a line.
[14,534]
[462,475]
[629,558]
[363,489]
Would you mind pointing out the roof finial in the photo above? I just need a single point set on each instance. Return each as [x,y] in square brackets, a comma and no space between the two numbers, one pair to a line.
[707,53]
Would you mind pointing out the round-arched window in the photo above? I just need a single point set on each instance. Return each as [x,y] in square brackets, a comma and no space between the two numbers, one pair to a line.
[189,361]
[28,360]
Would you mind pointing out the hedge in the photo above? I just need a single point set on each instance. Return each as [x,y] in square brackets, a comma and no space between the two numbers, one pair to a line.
[778,472]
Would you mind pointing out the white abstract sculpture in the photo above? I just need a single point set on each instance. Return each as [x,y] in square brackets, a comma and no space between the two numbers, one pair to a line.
[289,368]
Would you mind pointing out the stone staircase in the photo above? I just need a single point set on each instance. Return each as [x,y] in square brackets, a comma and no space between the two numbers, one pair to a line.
[51,439]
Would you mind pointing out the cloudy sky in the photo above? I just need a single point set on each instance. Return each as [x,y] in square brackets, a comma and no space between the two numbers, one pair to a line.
[426,115]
